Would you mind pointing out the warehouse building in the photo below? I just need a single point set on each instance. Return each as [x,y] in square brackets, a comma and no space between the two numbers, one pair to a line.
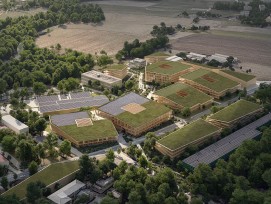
[14,124]
[196,133]
[167,71]
[72,102]
[105,79]
[81,130]
[236,114]
[210,82]
[135,114]
[222,148]
[178,96]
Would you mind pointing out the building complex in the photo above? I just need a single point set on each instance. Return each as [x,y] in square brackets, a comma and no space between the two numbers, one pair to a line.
[116,70]
[178,96]
[135,114]
[12,123]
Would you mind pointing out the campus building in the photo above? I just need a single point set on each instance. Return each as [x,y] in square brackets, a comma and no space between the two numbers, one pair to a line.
[236,114]
[135,114]
[104,79]
[81,130]
[137,63]
[156,57]
[117,70]
[72,102]
[178,96]
[210,82]
[12,123]
[195,133]
[167,71]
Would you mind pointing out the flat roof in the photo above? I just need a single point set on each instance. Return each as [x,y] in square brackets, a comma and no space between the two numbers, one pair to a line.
[115,67]
[235,110]
[14,122]
[115,107]
[162,54]
[62,195]
[183,94]
[167,67]
[99,76]
[99,129]
[70,101]
[226,145]
[68,119]
[210,80]
[188,134]
[239,75]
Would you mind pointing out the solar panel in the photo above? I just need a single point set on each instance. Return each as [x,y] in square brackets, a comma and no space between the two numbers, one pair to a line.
[79,95]
[68,119]
[47,98]
[114,107]
[227,144]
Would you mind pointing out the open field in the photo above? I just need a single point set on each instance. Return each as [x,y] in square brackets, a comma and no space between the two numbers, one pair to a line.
[252,49]
[99,130]
[235,110]
[188,134]
[152,111]
[166,67]
[210,79]
[47,176]
[183,94]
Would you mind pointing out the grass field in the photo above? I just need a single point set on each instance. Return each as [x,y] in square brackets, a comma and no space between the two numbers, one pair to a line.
[115,67]
[152,111]
[48,175]
[188,134]
[184,95]
[99,130]
[167,67]
[210,79]
[235,110]
[239,75]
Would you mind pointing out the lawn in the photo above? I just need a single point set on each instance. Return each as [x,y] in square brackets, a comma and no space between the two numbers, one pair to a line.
[188,134]
[48,175]
[152,111]
[235,110]
[184,95]
[99,130]
[115,67]
[210,79]
[239,75]
[167,67]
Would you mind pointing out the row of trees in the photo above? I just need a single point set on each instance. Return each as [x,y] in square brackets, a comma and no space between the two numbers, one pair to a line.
[224,5]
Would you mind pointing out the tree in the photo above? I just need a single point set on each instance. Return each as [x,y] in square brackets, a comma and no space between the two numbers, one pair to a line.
[196,20]
[10,199]
[186,112]
[110,155]
[40,125]
[104,60]
[3,86]
[88,169]
[129,84]
[8,143]
[109,200]
[39,88]
[267,177]
[4,182]
[65,148]
[34,191]
[33,168]
[51,142]
[143,162]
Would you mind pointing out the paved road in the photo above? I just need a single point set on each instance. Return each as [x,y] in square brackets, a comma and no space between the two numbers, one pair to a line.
[166,129]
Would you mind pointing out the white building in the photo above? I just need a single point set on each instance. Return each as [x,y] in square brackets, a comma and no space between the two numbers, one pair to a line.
[195,56]
[174,58]
[67,193]
[15,125]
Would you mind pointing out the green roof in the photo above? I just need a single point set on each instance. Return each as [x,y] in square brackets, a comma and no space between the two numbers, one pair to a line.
[99,130]
[167,67]
[159,54]
[239,75]
[152,111]
[188,134]
[50,174]
[235,110]
[115,67]
[210,79]
[183,94]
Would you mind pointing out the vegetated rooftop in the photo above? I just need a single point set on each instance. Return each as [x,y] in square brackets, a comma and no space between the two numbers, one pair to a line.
[99,130]
[152,111]
[210,79]
[159,54]
[188,134]
[235,110]
[167,67]
[239,75]
[115,67]
[183,94]
[47,176]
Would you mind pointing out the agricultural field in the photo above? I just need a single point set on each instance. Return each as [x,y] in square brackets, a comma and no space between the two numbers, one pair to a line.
[235,110]
[99,130]
[188,134]
[47,176]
